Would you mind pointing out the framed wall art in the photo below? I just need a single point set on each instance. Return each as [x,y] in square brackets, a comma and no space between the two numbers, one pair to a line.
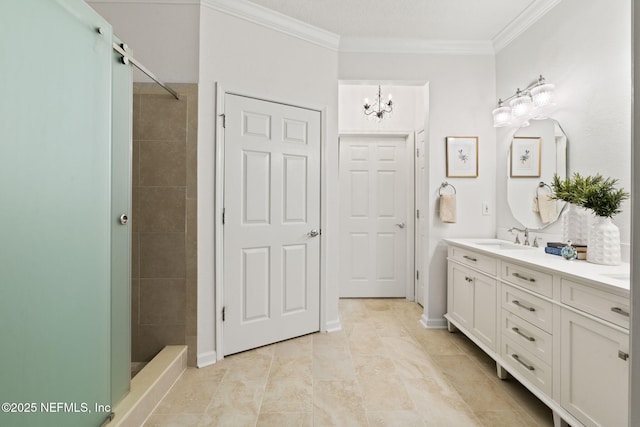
[462,156]
[525,157]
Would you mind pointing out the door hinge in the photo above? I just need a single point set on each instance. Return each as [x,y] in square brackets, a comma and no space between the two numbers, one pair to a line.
[223,215]
[417,152]
[224,120]
[418,213]
[223,312]
[417,274]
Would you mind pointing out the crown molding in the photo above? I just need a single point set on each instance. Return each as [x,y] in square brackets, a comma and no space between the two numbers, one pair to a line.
[276,21]
[522,22]
[415,46]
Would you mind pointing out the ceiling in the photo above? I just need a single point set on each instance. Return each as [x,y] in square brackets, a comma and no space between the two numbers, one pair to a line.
[433,20]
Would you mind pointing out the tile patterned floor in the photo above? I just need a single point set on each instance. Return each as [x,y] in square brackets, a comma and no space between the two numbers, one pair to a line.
[383,369]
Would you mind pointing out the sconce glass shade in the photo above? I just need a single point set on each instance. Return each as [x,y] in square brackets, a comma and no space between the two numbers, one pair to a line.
[501,117]
[521,106]
[542,95]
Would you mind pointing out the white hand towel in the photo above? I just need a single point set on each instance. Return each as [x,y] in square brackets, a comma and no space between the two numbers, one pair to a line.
[448,208]
[547,208]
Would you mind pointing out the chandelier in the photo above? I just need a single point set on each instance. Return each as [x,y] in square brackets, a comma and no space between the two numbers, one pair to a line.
[533,102]
[379,109]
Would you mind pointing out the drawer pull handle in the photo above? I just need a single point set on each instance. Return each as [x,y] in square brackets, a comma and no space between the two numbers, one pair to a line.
[519,304]
[622,355]
[470,258]
[529,367]
[620,311]
[528,338]
[468,279]
[520,276]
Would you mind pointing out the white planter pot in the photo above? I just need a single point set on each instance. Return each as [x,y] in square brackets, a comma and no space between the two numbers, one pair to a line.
[604,242]
[575,225]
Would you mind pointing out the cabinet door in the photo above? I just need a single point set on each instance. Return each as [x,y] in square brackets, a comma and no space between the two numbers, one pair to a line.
[595,371]
[461,295]
[484,309]
[472,302]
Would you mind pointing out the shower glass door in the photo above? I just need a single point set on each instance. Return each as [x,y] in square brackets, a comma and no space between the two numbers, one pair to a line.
[122,97]
[55,214]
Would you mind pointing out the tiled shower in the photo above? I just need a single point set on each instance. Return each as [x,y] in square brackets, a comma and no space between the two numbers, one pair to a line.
[164,242]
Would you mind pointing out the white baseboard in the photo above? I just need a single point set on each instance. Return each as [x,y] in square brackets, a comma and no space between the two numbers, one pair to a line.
[440,323]
[206,359]
[333,326]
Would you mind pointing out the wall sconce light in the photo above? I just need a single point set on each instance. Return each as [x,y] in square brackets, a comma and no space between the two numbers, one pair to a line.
[531,103]
[379,109]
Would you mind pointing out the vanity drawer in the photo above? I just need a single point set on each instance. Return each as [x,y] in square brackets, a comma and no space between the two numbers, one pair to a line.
[528,307]
[607,306]
[532,368]
[529,278]
[474,259]
[531,338]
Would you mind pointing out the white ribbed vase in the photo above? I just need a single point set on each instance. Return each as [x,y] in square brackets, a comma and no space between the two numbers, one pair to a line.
[604,242]
[575,225]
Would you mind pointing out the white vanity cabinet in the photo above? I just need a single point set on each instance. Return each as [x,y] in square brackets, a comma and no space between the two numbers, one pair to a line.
[558,327]
[595,355]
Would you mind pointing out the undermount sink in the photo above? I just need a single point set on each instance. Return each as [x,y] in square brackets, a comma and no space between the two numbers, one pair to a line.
[501,245]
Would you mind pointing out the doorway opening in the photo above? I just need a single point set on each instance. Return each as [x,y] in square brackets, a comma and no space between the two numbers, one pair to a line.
[383,176]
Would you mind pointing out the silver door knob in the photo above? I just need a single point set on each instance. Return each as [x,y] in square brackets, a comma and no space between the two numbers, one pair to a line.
[400,225]
[313,233]
[124,219]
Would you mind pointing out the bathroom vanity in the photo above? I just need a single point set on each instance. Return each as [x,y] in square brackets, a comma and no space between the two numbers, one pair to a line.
[559,327]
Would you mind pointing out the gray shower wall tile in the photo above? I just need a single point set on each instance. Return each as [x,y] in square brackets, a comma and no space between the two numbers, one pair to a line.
[153,338]
[161,209]
[162,255]
[162,301]
[164,217]
[163,164]
[162,118]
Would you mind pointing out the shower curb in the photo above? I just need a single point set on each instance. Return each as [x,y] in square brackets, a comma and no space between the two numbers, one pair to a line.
[150,386]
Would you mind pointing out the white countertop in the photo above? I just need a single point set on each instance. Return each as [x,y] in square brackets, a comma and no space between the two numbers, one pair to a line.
[616,277]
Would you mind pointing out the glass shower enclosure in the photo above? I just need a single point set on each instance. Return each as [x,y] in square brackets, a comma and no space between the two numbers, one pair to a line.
[64,187]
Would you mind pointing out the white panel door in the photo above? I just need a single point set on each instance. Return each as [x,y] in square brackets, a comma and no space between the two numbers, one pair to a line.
[272,218]
[373,224]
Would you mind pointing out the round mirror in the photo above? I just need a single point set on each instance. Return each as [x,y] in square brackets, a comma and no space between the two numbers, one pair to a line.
[536,153]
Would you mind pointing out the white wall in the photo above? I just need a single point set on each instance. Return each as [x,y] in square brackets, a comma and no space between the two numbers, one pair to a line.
[584,49]
[163,36]
[461,93]
[254,60]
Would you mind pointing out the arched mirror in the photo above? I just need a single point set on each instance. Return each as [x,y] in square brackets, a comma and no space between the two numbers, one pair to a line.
[536,153]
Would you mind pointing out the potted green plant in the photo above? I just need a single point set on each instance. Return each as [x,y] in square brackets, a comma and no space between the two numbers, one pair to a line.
[599,195]
[575,221]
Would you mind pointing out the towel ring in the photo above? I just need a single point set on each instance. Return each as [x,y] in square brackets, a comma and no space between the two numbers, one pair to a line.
[445,184]
[542,184]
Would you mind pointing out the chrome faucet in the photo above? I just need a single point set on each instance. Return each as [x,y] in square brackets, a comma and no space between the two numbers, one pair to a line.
[526,235]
